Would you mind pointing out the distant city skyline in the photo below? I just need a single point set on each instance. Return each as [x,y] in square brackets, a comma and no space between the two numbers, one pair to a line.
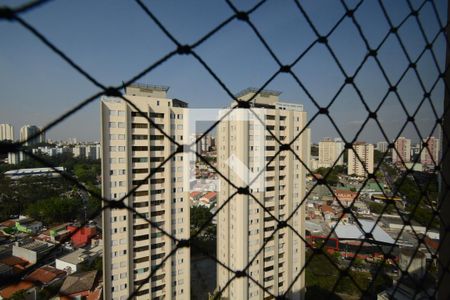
[37,86]
[203,126]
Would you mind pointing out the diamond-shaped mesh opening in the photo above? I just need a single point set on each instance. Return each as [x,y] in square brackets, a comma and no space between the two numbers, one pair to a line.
[365,223]
[324,69]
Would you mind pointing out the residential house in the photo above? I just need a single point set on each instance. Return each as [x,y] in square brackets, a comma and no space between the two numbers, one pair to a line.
[83,285]
[72,262]
[31,250]
[208,199]
[345,197]
[28,225]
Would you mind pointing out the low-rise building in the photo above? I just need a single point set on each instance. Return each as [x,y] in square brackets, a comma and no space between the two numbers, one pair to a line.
[345,197]
[208,199]
[413,262]
[82,285]
[16,263]
[28,289]
[56,233]
[5,270]
[355,232]
[46,275]
[28,225]
[82,236]
[72,262]
[51,151]
[195,196]
[328,212]
[48,172]
[364,239]
[31,250]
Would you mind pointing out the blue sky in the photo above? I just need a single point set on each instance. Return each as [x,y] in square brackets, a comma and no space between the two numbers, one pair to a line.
[114,40]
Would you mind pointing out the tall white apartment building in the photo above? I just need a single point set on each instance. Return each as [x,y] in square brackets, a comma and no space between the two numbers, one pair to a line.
[29,130]
[382,146]
[131,149]
[329,151]
[244,147]
[93,151]
[6,132]
[402,150]
[204,144]
[79,151]
[365,154]
[340,146]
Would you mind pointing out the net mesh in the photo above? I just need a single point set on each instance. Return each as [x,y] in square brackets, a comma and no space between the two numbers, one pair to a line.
[392,92]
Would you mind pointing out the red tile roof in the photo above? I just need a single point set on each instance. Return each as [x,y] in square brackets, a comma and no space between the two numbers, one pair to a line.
[327,208]
[8,223]
[195,194]
[210,195]
[95,295]
[10,290]
[45,275]
[433,244]
[345,192]
[14,261]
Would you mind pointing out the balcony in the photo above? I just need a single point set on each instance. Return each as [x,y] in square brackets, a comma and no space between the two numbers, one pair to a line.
[141,254]
[143,243]
[158,142]
[140,165]
[139,143]
[139,232]
[141,276]
[139,131]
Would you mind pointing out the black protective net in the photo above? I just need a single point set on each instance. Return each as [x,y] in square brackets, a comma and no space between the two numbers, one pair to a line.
[425,187]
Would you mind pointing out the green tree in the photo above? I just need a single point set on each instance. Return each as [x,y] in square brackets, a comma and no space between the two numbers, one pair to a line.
[86,173]
[377,156]
[17,195]
[20,295]
[206,240]
[56,209]
[377,208]
[94,204]
[199,216]
[423,194]
[332,176]
[37,194]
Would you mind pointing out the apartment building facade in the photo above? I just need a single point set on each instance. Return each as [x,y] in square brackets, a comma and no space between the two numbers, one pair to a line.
[27,131]
[330,152]
[430,154]
[402,150]
[382,146]
[340,148]
[6,132]
[362,164]
[244,148]
[131,149]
